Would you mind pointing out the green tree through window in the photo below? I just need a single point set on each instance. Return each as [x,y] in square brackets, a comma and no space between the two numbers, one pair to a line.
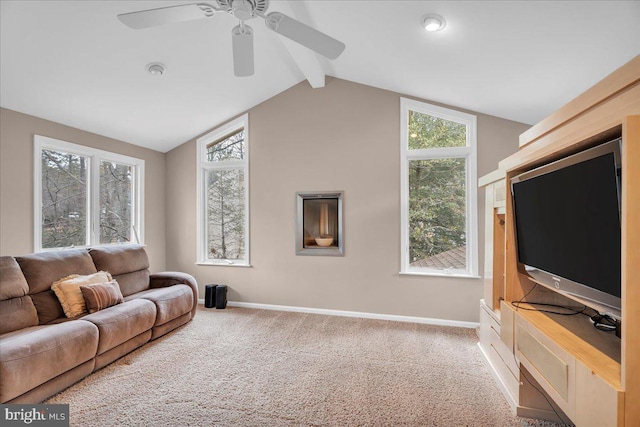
[437,220]
[432,132]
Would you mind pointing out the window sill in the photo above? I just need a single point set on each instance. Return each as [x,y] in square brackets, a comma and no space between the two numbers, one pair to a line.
[99,245]
[437,274]
[221,264]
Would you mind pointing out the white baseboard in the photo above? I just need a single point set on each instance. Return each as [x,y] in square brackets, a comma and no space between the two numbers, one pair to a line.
[377,316]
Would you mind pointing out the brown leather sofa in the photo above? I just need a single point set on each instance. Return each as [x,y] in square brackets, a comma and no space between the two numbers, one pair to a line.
[42,352]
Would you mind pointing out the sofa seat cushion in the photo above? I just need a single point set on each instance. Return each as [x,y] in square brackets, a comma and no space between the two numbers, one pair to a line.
[32,356]
[122,322]
[171,302]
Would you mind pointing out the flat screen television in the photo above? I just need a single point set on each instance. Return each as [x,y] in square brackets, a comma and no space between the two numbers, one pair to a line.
[567,224]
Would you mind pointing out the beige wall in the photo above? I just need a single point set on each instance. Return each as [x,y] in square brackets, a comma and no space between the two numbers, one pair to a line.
[16,181]
[342,137]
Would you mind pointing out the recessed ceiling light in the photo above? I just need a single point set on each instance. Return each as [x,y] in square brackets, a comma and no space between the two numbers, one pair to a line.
[156,69]
[433,22]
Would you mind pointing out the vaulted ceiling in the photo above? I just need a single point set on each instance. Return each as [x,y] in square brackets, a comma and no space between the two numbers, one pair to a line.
[75,63]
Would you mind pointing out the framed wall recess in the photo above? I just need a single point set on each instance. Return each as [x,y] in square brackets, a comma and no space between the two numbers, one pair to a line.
[319,229]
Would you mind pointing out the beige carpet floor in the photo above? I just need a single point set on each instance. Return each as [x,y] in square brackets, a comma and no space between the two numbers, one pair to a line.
[246,367]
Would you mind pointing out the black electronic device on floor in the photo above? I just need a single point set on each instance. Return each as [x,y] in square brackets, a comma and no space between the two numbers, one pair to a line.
[215,296]
[221,296]
[210,296]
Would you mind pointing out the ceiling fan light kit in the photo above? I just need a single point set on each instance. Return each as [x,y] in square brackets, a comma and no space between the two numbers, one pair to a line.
[433,22]
[242,34]
[242,43]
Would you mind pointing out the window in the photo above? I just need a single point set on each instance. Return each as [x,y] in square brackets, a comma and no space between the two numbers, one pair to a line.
[223,195]
[438,191]
[84,196]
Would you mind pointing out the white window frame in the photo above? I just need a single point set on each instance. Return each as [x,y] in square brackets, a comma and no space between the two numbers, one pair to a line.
[203,167]
[93,189]
[469,153]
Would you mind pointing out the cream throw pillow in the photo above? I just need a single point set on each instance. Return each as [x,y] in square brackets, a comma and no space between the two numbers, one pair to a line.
[69,294]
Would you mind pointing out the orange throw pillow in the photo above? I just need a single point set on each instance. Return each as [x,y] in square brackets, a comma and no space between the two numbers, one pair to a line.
[101,295]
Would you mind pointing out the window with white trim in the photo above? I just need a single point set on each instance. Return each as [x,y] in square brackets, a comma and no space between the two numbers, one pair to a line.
[84,196]
[438,191]
[223,195]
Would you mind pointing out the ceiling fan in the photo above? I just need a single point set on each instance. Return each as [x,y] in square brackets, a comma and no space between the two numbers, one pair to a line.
[242,34]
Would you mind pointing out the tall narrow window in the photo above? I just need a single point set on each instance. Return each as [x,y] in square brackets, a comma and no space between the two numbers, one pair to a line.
[223,183]
[438,196]
[84,196]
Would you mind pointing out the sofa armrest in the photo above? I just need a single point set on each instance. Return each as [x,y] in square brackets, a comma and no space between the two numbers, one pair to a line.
[170,278]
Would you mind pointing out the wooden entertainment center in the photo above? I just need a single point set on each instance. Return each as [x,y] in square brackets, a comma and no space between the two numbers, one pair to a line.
[550,366]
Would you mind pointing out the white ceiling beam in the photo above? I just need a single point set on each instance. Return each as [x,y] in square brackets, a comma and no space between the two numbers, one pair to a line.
[305,59]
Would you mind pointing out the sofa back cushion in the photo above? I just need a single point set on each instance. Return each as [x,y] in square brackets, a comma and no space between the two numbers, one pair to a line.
[42,269]
[130,283]
[128,264]
[16,307]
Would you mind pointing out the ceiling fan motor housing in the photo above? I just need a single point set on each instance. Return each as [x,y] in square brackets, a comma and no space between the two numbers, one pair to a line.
[244,9]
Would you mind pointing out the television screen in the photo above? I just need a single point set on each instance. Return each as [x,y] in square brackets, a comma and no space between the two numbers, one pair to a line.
[568,223]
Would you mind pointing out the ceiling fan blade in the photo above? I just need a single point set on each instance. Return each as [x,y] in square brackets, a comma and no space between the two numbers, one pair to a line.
[166,15]
[242,42]
[305,35]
